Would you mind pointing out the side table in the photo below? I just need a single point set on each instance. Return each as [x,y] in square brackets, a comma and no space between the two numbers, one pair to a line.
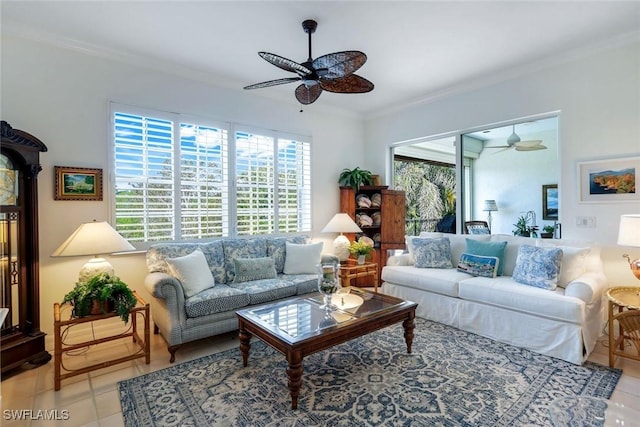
[627,302]
[62,327]
[352,270]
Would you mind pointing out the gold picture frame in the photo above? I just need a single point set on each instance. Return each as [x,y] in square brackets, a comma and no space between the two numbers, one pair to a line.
[73,183]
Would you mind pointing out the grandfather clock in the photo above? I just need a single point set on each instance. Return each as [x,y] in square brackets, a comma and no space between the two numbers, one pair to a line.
[21,340]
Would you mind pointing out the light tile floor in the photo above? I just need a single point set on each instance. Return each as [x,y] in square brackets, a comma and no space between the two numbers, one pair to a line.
[92,399]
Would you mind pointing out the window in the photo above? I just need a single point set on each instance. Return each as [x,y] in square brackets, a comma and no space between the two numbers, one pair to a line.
[185,179]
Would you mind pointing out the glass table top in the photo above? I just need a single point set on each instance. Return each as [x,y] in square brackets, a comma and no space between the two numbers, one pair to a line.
[298,318]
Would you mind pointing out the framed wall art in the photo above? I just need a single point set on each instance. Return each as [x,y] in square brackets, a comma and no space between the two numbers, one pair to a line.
[550,202]
[609,180]
[78,183]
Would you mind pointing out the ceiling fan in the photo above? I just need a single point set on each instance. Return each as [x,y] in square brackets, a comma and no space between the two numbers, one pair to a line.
[515,142]
[332,72]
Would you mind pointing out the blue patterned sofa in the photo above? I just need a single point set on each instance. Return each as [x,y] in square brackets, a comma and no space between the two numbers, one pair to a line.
[182,314]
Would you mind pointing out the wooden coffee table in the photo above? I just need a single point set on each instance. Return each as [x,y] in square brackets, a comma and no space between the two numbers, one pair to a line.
[299,326]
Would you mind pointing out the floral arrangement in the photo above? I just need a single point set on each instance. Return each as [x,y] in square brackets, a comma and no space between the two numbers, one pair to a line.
[360,248]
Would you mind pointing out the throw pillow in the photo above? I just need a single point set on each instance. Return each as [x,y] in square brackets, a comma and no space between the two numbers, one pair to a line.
[494,249]
[192,271]
[539,267]
[432,253]
[574,262]
[248,269]
[476,265]
[302,259]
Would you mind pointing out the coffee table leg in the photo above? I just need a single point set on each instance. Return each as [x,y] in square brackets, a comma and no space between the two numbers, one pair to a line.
[245,345]
[294,372]
[409,326]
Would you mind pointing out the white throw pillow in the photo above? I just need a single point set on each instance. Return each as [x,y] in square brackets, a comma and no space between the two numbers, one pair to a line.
[302,259]
[574,262]
[192,271]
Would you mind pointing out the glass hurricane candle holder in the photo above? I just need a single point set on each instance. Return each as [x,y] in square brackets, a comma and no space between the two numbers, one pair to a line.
[328,282]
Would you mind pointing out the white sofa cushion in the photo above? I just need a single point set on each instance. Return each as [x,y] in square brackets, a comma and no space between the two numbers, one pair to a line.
[302,259]
[506,293]
[439,280]
[192,271]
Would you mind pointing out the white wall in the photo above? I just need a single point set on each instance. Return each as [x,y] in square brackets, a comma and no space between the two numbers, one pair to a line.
[61,97]
[598,96]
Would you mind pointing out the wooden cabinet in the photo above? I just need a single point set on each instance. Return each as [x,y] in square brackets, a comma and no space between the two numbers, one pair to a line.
[388,218]
[21,339]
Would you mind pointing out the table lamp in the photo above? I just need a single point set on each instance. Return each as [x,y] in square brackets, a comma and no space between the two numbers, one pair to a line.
[490,206]
[93,238]
[629,235]
[341,223]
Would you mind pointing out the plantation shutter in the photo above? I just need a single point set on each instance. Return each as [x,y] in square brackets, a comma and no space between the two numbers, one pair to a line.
[294,186]
[144,178]
[255,170]
[203,181]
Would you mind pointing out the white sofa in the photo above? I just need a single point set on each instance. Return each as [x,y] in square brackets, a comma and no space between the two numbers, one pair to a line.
[563,323]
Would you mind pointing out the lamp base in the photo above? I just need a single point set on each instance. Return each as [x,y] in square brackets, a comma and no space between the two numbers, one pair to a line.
[94,267]
[341,247]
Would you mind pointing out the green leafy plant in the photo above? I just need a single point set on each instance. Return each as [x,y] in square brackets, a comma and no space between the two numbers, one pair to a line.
[549,229]
[360,248]
[355,178]
[522,228]
[102,287]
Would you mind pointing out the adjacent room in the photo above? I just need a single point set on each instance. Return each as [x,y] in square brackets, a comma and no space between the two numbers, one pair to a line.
[320,213]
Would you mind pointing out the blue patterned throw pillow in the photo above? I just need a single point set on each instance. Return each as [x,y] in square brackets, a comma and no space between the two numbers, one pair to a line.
[476,265]
[432,253]
[496,249]
[249,269]
[538,267]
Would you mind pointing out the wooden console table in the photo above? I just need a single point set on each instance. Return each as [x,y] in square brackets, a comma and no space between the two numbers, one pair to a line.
[62,327]
[352,270]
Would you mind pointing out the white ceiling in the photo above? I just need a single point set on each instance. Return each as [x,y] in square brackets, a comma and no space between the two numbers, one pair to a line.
[416,50]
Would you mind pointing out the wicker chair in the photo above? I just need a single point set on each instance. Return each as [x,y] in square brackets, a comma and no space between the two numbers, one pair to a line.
[476,227]
[630,322]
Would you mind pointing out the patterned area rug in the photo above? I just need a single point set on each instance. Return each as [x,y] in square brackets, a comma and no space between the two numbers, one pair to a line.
[452,378]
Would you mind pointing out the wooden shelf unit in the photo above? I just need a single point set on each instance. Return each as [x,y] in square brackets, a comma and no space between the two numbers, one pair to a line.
[390,230]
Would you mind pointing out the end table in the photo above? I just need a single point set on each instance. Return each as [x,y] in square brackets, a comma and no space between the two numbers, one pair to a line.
[627,301]
[62,327]
[352,270]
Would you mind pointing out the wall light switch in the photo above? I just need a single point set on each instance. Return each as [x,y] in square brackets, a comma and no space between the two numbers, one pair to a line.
[586,221]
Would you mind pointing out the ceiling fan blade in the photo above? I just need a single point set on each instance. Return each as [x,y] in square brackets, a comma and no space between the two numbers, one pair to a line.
[532,148]
[284,63]
[339,64]
[529,143]
[273,83]
[349,84]
[308,94]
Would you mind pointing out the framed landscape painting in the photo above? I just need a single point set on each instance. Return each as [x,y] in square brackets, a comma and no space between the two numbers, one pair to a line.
[613,180]
[550,202]
[78,183]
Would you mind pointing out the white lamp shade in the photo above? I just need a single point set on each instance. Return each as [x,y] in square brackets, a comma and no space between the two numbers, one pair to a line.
[490,205]
[629,232]
[93,238]
[341,223]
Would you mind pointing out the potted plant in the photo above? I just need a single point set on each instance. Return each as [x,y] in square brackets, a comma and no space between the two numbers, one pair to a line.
[548,231]
[355,178]
[101,294]
[522,228]
[360,250]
